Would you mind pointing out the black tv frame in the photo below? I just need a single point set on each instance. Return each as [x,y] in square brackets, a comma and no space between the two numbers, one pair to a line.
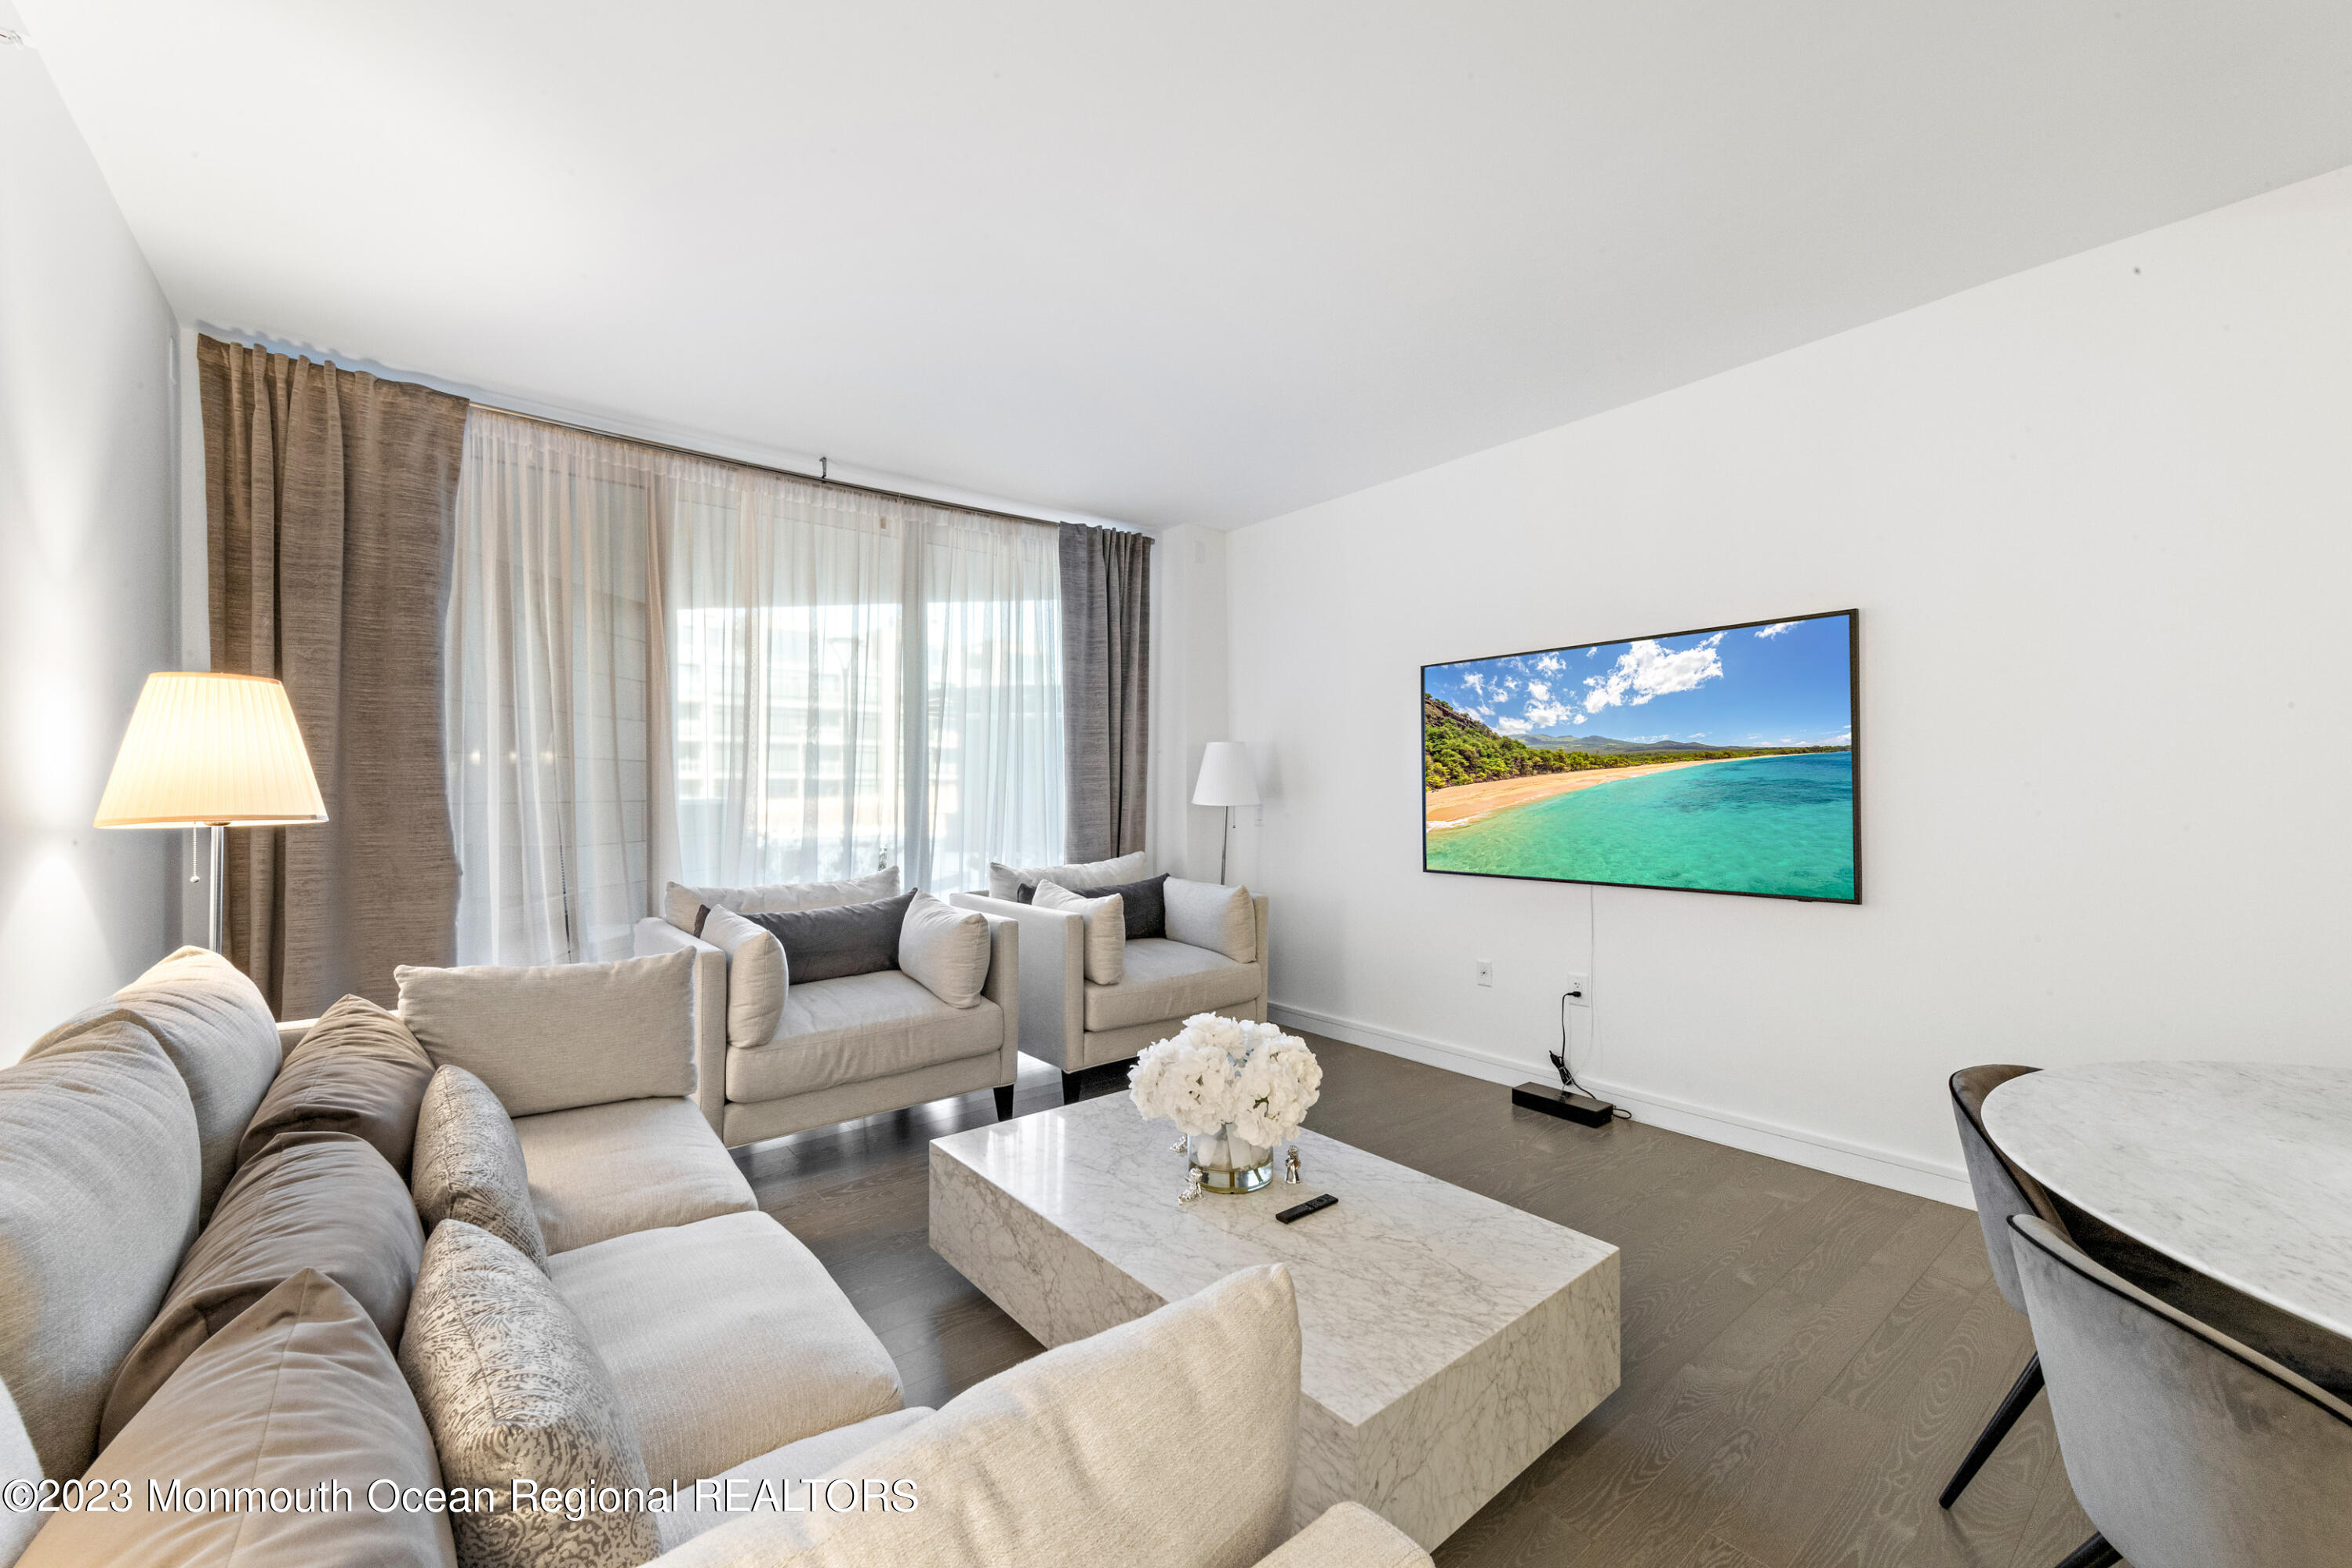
[1853,699]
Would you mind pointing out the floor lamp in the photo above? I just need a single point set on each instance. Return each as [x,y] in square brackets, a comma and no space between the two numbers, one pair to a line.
[1226,780]
[210,751]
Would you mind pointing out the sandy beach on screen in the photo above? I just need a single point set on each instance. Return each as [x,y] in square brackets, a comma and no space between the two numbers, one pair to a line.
[1457,803]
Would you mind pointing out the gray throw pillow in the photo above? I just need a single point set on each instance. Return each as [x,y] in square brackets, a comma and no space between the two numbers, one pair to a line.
[359,1071]
[214,1024]
[1105,923]
[299,1393]
[945,949]
[564,1035]
[1144,903]
[99,1179]
[313,1200]
[1006,881]
[847,939]
[512,1388]
[469,1164]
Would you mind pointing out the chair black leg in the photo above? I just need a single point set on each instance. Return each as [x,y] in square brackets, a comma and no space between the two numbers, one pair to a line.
[1069,1089]
[2092,1553]
[2027,1384]
[1004,1101]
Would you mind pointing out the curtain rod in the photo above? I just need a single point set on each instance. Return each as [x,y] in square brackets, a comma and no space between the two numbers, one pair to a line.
[817,479]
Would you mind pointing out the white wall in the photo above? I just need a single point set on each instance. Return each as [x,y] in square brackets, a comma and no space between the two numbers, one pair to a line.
[2098,520]
[1190,696]
[87,439]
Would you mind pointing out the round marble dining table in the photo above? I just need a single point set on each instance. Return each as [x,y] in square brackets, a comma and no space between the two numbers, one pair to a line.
[2243,1171]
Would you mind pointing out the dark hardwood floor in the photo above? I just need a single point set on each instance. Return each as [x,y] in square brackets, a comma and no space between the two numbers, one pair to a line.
[1806,1357]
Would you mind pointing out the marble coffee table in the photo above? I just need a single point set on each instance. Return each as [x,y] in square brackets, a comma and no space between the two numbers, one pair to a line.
[1448,1340]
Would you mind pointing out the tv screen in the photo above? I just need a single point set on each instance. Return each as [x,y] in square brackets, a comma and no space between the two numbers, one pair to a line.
[1718,761]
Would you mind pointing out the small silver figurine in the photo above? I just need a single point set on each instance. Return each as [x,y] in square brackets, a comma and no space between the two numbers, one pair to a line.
[1290,1168]
[1192,1186]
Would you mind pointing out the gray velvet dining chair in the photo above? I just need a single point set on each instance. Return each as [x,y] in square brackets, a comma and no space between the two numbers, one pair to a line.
[2002,1190]
[2186,1449]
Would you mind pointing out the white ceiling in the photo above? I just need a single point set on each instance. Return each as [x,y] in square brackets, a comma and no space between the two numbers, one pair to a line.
[1200,263]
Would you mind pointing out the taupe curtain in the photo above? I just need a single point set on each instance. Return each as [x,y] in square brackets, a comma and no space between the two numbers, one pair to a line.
[331,496]
[1105,687]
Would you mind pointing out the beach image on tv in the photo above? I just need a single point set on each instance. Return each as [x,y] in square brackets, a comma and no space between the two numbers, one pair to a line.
[1719,762]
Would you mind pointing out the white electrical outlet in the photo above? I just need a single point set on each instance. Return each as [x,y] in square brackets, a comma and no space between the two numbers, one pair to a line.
[1580,990]
[1486,971]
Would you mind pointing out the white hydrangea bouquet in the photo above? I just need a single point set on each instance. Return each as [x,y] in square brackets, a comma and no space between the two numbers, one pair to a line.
[1234,1089]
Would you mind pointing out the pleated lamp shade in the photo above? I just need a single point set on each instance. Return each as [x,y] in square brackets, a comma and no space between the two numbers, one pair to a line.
[211,749]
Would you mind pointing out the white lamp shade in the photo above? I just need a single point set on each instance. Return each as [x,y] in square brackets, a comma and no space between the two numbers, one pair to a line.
[211,749]
[1226,776]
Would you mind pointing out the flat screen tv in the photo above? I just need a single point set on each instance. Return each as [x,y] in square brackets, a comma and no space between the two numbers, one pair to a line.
[1718,761]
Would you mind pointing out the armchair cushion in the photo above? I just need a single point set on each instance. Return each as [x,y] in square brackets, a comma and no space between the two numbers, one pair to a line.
[601,1171]
[564,1035]
[862,1026]
[945,949]
[1106,919]
[1168,980]
[683,906]
[1143,903]
[756,977]
[1006,881]
[1211,915]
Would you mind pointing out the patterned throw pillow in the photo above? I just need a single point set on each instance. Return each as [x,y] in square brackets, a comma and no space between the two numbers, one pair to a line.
[513,1389]
[469,1164]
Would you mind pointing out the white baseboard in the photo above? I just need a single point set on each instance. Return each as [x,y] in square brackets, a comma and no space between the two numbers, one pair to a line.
[1799,1146]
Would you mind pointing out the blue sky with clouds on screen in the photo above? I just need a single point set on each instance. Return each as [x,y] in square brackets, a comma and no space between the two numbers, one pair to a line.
[1782,684]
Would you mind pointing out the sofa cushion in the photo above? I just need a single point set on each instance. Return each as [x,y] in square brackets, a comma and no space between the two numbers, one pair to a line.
[99,1173]
[756,980]
[512,1389]
[778,1481]
[216,1029]
[1091,1453]
[1006,881]
[839,941]
[606,1170]
[359,1071]
[323,1201]
[775,898]
[19,1463]
[1105,923]
[726,1339]
[946,948]
[1209,914]
[564,1035]
[470,1163]
[867,1027]
[298,1392]
[1168,980]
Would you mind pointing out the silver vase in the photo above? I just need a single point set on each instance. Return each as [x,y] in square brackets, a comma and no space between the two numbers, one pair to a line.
[1227,1164]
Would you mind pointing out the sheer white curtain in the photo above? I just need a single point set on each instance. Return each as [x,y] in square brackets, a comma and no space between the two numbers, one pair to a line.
[548,639]
[665,669]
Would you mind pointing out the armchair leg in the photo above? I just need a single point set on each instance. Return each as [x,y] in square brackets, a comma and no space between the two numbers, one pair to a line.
[1004,1101]
[2092,1553]
[1069,1089]
[2021,1394]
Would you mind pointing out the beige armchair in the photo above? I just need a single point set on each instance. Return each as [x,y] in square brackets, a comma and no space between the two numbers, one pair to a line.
[1070,1021]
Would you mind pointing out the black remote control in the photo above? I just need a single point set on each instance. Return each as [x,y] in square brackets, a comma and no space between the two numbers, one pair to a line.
[1312,1206]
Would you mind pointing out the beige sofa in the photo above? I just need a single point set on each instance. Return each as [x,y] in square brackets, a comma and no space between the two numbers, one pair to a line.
[1075,1024]
[838,1049]
[732,1355]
